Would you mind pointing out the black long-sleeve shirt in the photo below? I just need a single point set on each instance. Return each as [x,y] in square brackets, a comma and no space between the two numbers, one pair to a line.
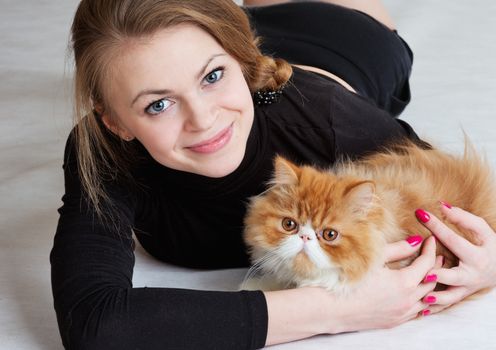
[195,221]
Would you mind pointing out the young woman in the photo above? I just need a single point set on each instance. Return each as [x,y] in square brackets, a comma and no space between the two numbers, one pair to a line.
[178,118]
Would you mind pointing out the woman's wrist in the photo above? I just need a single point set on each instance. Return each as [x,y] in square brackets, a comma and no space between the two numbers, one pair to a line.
[339,314]
[298,313]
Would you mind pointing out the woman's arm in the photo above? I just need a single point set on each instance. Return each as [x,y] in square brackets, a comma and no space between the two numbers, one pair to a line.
[374,8]
[388,298]
[477,267]
[97,307]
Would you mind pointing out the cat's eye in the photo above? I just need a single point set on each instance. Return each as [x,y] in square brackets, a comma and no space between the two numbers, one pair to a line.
[289,224]
[329,234]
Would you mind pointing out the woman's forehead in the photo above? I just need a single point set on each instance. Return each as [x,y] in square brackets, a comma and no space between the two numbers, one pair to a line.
[177,47]
[167,59]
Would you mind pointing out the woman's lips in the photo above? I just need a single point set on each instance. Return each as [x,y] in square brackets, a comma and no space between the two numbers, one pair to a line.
[215,143]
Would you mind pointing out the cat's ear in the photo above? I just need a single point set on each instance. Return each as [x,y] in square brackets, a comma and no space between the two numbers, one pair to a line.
[360,197]
[286,173]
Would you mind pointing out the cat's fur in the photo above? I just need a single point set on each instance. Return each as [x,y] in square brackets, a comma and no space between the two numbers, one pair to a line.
[369,203]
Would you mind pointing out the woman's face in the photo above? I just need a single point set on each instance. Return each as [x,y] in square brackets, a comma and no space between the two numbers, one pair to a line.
[185,99]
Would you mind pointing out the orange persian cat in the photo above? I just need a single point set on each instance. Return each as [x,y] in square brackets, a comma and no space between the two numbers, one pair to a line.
[329,227]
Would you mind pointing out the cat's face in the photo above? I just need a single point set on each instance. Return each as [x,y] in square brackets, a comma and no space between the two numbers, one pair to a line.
[312,226]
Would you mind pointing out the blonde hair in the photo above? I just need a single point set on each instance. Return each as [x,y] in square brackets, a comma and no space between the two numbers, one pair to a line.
[100,31]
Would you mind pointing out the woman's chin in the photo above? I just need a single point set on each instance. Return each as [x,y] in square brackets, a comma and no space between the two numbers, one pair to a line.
[225,169]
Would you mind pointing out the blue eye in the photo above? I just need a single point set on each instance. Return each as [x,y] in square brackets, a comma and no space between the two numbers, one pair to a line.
[157,107]
[214,76]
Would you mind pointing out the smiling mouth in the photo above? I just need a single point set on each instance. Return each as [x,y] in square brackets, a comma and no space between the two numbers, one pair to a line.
[215,143]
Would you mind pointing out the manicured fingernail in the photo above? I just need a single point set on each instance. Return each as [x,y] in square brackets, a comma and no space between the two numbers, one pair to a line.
[414,240]
[430,299]
[430,278]
[446,204]
[422,215]
[426,312]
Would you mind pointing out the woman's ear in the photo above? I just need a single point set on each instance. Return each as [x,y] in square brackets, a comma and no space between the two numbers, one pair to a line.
[113,125]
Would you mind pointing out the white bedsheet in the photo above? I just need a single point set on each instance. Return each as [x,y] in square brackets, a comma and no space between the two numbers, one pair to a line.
[453,86]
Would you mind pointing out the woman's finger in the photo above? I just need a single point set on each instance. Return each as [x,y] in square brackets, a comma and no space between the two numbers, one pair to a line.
[446,297]
[451,240]
[468,221]
[450,277]
[417,309]
[402,249]
[424,263]
[434,309]
[439,262]
[423,290]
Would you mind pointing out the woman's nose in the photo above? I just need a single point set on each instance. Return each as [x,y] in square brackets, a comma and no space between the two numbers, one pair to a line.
[199,115]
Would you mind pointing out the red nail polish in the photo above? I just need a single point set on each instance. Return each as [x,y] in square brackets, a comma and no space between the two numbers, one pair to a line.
[426,312]
[430,278]
[446,204]
[422,215]
[430,299]
[414,240]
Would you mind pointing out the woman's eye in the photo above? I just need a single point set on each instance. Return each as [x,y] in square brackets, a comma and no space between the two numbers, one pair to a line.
[158,107]
[289,224]
[329,234]
[214,76]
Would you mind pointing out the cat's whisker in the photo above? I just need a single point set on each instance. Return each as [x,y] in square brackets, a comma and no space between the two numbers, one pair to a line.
[253,271]
[259,264]
[257,273]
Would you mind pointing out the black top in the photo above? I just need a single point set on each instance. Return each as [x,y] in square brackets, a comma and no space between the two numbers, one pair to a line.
[195,221]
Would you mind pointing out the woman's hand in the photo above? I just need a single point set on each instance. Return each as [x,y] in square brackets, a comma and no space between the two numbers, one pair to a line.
[477,266]
[389,297]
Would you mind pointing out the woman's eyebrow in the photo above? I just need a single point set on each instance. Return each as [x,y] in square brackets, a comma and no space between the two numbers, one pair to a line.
[167,91]
[150,92]
[202,71]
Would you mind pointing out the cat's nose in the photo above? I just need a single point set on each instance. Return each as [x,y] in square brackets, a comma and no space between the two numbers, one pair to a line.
[305,237]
